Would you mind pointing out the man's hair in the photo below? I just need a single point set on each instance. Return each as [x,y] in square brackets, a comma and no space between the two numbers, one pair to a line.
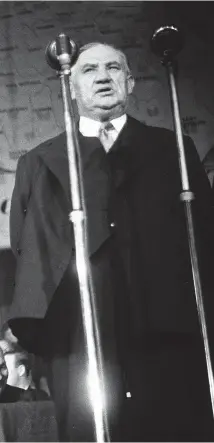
[93,44]
[22,358]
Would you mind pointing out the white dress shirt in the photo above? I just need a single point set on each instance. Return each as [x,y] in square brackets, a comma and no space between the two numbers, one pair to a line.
[91,128]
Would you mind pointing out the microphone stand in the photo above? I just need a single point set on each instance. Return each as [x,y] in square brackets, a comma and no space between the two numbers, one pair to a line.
[61,54]
[167,42]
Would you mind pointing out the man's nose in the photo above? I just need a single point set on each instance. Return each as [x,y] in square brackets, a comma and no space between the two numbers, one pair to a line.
[102,76]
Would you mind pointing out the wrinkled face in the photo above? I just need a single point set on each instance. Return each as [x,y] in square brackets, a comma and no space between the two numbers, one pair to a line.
[101,83]
[3,371]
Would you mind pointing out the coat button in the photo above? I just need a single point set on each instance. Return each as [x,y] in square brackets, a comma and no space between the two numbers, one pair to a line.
[113,225]
[25,210]
[18,250]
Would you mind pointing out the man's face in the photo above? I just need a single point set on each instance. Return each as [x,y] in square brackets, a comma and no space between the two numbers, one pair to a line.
[15,366]
[3,371]
[101,83]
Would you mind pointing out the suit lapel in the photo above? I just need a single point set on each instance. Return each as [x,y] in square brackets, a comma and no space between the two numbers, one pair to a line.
[125,159]
[127,156]
[56,159]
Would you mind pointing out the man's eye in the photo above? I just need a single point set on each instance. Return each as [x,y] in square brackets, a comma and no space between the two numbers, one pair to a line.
[114,68]
[88,70]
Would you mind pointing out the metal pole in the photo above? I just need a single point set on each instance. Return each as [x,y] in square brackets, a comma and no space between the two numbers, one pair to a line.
[95,376]
[167,42]
[187,198]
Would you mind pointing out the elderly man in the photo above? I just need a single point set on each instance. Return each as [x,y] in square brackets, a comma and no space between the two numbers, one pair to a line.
[154,361]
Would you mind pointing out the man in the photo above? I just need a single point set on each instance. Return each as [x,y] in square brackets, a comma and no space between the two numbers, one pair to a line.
[154,363]
[19,384]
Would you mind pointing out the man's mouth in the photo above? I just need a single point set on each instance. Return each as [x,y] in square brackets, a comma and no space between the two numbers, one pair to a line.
[105,90]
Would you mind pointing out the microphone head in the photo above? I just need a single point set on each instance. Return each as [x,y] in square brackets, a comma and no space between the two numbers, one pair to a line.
[62,50]
[167,41]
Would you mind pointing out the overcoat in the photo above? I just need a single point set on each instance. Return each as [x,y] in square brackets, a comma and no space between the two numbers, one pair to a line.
[138,242]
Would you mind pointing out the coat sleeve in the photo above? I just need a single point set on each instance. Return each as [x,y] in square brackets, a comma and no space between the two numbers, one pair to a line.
[204,229]
[203,216]
[25,173]
[199,182]
[200,185]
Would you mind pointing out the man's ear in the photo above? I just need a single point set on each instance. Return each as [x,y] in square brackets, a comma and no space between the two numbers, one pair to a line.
[21,370]
[131,83]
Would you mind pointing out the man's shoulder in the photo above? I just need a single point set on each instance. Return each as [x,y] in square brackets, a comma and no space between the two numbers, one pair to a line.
[46,147]
[159,141]
[161,133]
[10,394]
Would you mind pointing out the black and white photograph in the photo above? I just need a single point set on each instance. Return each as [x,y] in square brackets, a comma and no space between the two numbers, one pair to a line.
[106,221]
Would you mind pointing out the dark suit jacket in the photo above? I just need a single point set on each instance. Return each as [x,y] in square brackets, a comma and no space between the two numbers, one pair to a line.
[138,250]
[12,394]
[146,201]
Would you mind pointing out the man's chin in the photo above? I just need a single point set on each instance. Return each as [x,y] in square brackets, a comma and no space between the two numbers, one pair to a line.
[108,110]
[107,103]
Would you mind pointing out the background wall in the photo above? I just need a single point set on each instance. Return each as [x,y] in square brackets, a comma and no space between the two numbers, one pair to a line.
[30,97]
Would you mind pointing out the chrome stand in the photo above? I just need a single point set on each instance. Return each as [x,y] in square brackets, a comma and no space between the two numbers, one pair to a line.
[167,42]
[61,54]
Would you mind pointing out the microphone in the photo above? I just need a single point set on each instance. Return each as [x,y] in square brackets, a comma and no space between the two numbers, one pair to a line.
[61,52]
[167,41]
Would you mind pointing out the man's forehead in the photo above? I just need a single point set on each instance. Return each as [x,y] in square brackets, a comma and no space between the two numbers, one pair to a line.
[99,53]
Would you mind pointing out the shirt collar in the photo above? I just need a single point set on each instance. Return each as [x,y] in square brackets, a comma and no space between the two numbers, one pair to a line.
[90,128]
